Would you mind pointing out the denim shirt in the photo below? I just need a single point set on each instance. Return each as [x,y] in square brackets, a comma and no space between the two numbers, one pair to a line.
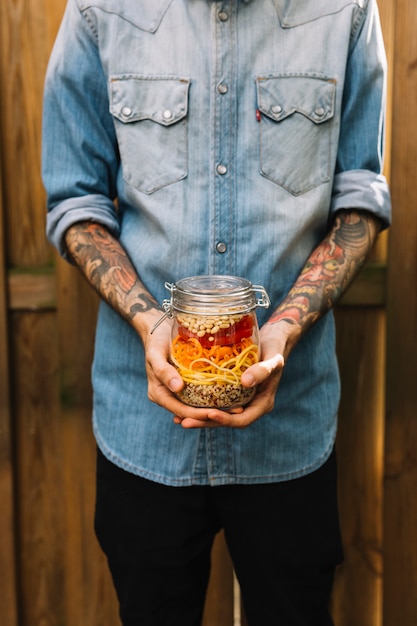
[230,132]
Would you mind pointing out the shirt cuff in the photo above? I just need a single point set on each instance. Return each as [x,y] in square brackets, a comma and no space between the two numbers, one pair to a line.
[362,189]
[93,208]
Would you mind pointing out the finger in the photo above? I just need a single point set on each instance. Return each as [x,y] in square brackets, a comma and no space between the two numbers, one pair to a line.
[216,418]
[204,421]
[191,422]
[165,374]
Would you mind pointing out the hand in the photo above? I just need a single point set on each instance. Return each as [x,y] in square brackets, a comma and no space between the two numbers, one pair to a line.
[163,379]
[266,375]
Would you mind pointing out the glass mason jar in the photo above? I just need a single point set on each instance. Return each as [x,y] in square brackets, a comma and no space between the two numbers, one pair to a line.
[215,337]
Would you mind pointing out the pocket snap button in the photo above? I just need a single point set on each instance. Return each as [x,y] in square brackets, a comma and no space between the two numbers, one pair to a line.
[276,109]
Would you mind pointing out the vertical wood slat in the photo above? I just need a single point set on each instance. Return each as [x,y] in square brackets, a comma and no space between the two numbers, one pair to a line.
[38,468]
[8,604]
[357,597]
[400,597]
[23,55]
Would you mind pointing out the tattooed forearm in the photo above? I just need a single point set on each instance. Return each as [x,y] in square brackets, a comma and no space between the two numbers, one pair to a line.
[107,267]
[329,270]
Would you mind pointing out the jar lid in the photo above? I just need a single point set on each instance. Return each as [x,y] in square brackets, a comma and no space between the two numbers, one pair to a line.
[208,293]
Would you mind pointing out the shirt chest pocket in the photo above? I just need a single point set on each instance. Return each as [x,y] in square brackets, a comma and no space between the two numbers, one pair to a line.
[150,115]
[296,130]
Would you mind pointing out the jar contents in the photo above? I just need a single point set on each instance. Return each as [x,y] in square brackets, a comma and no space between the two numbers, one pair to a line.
[211,353]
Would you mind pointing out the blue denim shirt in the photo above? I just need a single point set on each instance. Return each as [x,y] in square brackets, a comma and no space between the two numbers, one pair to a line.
[247,123]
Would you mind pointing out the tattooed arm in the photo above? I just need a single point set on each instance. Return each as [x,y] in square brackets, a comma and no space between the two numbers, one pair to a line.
[106,265]
[326,275]
[328,272]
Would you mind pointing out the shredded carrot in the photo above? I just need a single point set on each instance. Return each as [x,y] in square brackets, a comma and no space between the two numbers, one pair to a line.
[215,364]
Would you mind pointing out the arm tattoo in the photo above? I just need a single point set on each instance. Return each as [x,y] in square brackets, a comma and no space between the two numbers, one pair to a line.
[107,267]
[329,270]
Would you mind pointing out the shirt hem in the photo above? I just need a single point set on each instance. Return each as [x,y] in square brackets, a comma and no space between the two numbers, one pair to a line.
[213,481]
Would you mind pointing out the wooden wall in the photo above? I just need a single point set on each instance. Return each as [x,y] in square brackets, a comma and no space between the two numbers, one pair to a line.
[51,570]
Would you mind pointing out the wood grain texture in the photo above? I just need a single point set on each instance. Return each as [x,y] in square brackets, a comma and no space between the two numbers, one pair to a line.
[31,290]
[8,603]
[400,597]
[24,50]
[361,349]
[40,497]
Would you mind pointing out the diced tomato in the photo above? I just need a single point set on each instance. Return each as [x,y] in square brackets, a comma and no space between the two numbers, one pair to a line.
[224,336]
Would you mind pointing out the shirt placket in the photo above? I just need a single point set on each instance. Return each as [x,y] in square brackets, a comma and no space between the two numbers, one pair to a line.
[223,113]
[219,449]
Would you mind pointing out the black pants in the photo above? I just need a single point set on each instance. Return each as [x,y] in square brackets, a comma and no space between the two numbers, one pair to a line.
[283,538]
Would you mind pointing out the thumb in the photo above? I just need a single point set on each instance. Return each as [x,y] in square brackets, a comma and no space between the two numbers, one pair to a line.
[259,372]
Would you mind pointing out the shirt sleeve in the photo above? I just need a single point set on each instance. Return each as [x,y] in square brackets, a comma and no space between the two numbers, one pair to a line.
[359,181]
[80,158]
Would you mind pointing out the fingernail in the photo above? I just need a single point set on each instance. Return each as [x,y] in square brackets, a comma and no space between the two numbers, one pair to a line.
[174,384]
[249,380]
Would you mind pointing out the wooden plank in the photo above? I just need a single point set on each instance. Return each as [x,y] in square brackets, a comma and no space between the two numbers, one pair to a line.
[400,598]
[8,604]
[40,549]
[24,50]
[368,289]
[357,597]
[33,290]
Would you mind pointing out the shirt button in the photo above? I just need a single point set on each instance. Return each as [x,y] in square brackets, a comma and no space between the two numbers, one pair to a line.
[221,247]
[276,109]
[167,114]
[319,111]
[223,16]
[126,111]
[222,88]
[221,169]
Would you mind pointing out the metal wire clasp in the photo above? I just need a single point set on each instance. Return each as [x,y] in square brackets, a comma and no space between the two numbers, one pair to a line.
[263,300]
[167,307]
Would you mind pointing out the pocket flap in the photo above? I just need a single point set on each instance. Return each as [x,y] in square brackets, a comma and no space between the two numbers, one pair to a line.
[161,99]
[281,96]
[146,14]
[293,14]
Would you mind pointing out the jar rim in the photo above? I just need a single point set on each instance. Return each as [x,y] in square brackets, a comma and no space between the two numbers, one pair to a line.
[207,292]
[214,285]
